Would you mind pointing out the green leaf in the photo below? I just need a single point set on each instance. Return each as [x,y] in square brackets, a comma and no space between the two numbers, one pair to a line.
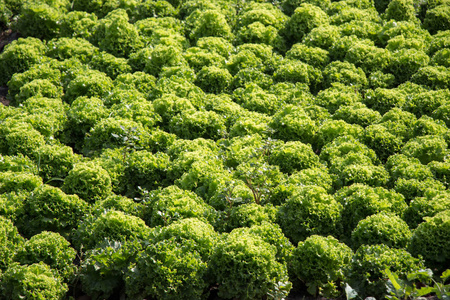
[424,291]
[312,289]
[350,293]
[446,275]
[423,275]
[393,284]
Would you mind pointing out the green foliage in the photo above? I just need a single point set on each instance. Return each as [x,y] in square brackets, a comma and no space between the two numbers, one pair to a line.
[61,213]
[199,58]
[400,42]
[119,203]
[296,71]
[272,234]
[344,145]
[140,81]
[38,88]
[78,24]
[324,36]
[36,281]
[400,10]
[54,162]
[426,148]
[91,83]
[402,289]
[348,13]
[261,23]
[170,105]
[109,64]
[345,73]
[66,48]
[433,77]
[149,9]
[153,60]
[310,211]
[428,126]
[213,79]
[293,156]
[313,176]
[381,228]
[440,171]
[248,215]
[10,242]
[83,114]
[383,99]
[216,45]
[111,225]
[139,110]
[39,71]
[115,133]
[319,262]
[305,18]
[191,229]
[168,269]
[358,114]
[245,267]
[292,123]
[411,188]
[5,14]
[365,30]
[89,181]
[407,29]
[46,115]
[257,32]
[209,23]
[197,116]
[103,269]
[19,56]
[52,249]
[146,171]
[360,201]
[368,58]
[18,181]
[402,166]
[337,96]
[115,35]
[431,238]
[313,56]
[399,123]
[250,76]
[17,163]
[256,56]
[427,206]
[339,47]
[365,273]
[199,124]
[11,204]
[165,206]
[331,129]
[383,142]
[19,138]
[441,58]
[424,103]
[358,168]
[406,62]
[254,98]
[437,19]
[39,20]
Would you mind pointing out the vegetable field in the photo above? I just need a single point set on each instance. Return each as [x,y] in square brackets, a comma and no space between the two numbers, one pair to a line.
[224,149]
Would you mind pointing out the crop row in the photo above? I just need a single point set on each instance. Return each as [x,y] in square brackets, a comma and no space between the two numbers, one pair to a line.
[223,149]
